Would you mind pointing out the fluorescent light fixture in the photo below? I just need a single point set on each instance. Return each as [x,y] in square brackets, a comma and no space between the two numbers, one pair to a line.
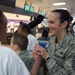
[57,4]
[62,8]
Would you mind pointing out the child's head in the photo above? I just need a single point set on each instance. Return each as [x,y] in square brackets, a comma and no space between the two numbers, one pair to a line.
[19,42]
[24,29]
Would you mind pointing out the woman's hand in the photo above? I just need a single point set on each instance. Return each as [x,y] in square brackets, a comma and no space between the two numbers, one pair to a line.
[40,52]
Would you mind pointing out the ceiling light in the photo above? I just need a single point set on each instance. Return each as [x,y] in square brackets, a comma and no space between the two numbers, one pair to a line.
[56,4]
[62,8]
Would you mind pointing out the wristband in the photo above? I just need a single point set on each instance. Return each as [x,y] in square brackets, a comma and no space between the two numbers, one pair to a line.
[48,58]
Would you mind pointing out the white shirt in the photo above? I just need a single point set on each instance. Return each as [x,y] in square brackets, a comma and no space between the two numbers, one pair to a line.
[74,28]
[12,24]
[10,63]
[32,41]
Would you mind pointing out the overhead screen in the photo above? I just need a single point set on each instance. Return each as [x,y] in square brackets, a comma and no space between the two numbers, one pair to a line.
[9,3]
[40,12]
[28,8]
[31,9]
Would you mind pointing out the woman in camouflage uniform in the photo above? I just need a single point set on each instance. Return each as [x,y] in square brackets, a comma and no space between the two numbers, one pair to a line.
[60,50]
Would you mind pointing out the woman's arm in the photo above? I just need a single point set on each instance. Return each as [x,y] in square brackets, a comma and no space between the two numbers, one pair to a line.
[36,66]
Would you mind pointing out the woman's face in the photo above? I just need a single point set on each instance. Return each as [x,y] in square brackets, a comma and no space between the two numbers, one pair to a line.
[54,24]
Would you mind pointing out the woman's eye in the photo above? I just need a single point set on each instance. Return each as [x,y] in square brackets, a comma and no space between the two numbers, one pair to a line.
[50,22]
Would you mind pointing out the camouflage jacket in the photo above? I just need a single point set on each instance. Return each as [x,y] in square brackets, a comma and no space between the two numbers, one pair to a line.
[62,56]
[27,59]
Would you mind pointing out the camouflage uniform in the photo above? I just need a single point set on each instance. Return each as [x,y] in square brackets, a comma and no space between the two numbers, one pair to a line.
[62,56]
[27,58]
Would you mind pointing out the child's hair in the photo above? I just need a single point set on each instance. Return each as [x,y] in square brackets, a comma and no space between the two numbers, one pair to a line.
[21,40]
[25,27]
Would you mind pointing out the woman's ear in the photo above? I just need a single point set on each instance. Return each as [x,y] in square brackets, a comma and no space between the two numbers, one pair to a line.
[64,24]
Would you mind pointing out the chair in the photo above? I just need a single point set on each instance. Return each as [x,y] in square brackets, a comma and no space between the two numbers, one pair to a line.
[42,43]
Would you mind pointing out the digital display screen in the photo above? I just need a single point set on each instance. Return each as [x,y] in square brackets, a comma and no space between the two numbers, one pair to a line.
[26,7]
[40,12]
[31,9]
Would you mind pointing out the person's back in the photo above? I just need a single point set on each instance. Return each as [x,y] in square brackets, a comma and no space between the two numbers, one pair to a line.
[27,58]
[32,41]
[45,35]
[10,63]
[12,26]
